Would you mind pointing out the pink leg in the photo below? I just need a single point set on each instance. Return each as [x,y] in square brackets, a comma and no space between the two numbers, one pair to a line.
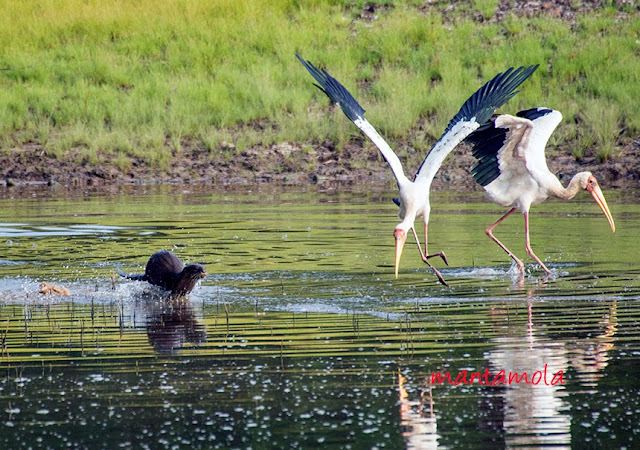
[426,260]
[528,245]
[489,232]
[426,252]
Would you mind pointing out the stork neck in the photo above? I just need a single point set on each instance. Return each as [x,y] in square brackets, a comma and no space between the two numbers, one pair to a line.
[408,217]
[575,185]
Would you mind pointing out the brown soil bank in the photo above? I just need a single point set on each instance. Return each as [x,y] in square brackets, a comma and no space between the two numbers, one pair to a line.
[318,163]
[290,164]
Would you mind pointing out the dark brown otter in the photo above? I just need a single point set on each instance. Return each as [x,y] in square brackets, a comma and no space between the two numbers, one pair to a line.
[164,269]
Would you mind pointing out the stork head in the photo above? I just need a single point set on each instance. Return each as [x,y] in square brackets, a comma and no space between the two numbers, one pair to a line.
[413,202]
[593,188]
[400,234]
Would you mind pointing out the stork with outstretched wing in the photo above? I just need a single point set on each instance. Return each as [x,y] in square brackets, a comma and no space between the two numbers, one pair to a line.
[414,195]
[512,167]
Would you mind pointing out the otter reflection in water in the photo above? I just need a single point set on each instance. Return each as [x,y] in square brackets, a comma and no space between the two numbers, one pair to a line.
[164,269]
[172,323]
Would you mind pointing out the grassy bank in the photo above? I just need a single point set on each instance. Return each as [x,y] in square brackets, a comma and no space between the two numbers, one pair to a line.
[115,81]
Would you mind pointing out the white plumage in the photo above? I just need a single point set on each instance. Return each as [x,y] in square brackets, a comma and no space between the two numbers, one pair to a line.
[413,198]
[512,168]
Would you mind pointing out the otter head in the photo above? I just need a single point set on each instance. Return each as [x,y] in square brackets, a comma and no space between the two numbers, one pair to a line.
[187,279]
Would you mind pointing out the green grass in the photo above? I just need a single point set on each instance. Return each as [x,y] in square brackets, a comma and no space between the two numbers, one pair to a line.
[486,8]
[143,79]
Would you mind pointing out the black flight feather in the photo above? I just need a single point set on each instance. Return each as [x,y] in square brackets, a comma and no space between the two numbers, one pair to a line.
[534,113]
[481,106]
[488,140]
[334,90]
[493,94]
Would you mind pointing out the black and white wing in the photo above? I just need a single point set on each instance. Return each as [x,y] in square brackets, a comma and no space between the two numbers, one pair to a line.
[545,121]
[476,111]
[340,95]
[512,144]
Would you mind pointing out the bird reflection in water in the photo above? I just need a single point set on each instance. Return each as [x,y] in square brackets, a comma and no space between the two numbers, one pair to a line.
[531,414]
[172,323]
[538,412]
[419,427]
[590,356]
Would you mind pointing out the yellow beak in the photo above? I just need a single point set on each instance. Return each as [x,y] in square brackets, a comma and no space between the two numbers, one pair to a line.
[598,196]
[401,238]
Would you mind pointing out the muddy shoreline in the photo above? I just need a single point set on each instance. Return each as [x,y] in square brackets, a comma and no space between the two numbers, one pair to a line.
[285,164]
[314,163]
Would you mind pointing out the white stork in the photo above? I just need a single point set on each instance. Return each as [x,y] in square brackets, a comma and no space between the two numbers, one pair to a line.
[513,170]
[414,195]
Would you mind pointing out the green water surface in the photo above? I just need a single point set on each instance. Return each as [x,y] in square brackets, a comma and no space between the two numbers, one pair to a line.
[300,336]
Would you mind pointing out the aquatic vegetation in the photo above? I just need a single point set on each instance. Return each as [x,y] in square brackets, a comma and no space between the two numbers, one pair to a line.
[122,81]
